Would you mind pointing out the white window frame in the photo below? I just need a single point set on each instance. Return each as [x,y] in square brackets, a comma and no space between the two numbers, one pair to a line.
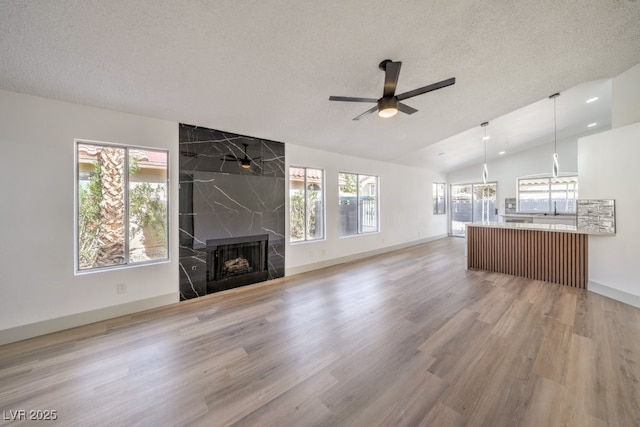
[323,213]
[76,202]
[358,209]
[439,195]
[549,192]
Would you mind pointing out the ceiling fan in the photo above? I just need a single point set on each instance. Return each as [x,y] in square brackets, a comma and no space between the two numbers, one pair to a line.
[389,104]
[245,162]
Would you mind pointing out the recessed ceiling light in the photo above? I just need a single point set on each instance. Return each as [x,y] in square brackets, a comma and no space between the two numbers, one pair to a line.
[484,138]
[590,125]
[501,153]
[440,154]
[590,100]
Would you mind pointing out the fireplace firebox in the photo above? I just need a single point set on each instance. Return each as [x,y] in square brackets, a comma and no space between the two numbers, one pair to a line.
[237,261]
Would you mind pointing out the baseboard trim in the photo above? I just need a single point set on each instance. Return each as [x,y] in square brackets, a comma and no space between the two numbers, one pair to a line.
[31,330]
[355,257]
[615,294]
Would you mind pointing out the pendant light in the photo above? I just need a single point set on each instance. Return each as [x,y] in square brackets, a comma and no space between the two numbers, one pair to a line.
[556,167]
[485,171]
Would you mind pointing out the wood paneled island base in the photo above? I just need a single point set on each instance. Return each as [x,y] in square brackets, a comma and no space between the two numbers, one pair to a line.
[552,254]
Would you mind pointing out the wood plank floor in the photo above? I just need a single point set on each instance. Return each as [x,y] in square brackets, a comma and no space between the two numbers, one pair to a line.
[407,338]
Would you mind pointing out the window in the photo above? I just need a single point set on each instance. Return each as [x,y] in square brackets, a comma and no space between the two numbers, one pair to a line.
[439,198]
[358,199]
[548,195]
[472,203]
[306,204]
[121,205]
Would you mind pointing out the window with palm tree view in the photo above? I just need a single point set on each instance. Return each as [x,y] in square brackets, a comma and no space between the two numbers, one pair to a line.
[121,200]
[306,204]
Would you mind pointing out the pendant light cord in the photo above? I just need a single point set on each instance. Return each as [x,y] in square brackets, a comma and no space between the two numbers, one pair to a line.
[555,127]
[556,167]
[485,172]
[484,125]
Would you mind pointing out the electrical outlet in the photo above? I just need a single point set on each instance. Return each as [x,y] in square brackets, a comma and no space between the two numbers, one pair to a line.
[121,288]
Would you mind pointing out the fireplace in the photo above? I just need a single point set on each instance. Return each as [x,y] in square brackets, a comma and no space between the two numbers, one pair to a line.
[236,261]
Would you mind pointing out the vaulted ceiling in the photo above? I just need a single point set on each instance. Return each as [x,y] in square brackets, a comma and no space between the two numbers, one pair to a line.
[267,68]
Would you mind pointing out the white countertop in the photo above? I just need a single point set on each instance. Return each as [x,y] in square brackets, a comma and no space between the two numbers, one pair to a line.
[542,215]
[559,228]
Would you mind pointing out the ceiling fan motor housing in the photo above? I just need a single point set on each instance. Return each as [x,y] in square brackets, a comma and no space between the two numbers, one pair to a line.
[388,107]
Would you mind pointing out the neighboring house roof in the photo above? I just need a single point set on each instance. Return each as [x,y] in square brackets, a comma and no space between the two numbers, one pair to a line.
[148,159]
[297,174]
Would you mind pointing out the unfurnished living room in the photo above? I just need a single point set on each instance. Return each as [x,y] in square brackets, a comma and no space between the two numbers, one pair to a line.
[284,213]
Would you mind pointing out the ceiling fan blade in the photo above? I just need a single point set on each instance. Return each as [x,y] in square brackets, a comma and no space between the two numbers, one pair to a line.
[426,89]
[351,99]
[406,109]
[369,111]
[391,74]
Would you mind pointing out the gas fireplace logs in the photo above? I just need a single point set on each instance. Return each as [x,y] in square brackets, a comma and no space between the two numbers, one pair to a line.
[237,266]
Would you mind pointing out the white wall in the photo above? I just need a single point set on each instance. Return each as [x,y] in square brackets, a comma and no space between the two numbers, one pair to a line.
[625,108]
[406,210]
[39,292]
[606,165]
[506,170]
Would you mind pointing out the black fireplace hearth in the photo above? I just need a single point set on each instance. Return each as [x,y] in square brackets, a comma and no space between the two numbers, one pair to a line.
[237,261]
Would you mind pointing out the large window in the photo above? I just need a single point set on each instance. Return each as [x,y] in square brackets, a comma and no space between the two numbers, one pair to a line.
[358,198]
[548,195]
[121,205]
[472,203]
[306,204]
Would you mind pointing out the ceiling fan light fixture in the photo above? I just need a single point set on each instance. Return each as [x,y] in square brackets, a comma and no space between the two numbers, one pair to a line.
[246,164]
[387,107]
[388,112]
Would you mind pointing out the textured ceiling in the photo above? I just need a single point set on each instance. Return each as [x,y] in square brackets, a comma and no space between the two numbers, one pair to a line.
[266,68]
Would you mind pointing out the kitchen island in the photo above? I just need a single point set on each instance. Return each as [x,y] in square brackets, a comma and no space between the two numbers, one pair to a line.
[556,253]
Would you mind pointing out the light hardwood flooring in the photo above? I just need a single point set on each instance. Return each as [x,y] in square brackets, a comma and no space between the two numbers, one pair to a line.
[406,338]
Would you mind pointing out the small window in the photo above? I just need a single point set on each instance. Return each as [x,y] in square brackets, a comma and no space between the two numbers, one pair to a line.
[306,204]
[358,203]
[547,194]
[439,198]
[121,205]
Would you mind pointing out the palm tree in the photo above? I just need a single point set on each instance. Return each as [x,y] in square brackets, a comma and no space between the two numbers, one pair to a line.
[111,234]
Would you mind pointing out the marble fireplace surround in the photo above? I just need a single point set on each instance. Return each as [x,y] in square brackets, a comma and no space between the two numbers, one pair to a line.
[219,199]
